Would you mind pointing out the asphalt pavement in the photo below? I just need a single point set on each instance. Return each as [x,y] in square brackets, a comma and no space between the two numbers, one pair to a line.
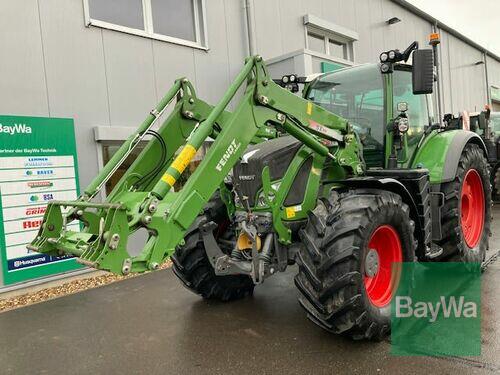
[152,325]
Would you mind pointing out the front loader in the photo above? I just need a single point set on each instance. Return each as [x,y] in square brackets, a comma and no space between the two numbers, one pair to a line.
[347,181]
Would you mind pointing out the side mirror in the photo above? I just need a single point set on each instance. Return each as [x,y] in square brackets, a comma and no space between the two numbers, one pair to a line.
[482,122]
[423,71]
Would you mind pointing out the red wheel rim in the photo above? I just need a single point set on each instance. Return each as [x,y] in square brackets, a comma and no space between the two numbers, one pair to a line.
[380,287]
[472,208]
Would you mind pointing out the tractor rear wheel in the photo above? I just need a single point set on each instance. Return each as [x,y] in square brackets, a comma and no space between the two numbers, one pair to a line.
[191,264]
[466,215]
[346,276]
[495,176]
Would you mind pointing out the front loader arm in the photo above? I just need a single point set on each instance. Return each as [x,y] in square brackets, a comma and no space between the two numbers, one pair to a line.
[143,198]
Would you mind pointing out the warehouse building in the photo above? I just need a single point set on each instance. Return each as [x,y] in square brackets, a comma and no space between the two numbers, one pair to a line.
[105,63]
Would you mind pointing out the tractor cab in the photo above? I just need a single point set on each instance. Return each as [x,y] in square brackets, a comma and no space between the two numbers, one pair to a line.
[380,102]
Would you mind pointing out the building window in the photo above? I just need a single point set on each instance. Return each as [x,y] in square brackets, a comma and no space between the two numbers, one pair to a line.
[175,21]
[316,42]
[329,39]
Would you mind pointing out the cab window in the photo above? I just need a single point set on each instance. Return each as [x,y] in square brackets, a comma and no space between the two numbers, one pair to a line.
[358,96]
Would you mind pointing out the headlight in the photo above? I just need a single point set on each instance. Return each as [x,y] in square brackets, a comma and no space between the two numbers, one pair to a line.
[293,78]
[392,55]
[383,57]
[403,125]
[385,68]
[285,79]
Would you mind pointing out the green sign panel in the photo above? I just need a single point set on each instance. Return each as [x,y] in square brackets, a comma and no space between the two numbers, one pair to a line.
[38,163]
[327,67]
[495,93]
[437,310]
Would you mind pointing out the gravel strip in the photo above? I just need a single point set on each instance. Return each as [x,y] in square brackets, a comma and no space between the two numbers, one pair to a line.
[64,289]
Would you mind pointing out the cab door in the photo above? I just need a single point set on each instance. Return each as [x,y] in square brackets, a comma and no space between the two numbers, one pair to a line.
[419,113]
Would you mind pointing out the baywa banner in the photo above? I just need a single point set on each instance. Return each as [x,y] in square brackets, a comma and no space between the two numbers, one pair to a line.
[38,163]
[437,310]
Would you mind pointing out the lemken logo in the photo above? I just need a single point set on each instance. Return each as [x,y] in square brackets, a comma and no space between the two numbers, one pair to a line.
[15,129]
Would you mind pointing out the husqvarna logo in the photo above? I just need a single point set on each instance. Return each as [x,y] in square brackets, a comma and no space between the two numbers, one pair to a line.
[230,150]
[15,129]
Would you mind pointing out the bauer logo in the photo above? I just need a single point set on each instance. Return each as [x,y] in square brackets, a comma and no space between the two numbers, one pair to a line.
[15,129]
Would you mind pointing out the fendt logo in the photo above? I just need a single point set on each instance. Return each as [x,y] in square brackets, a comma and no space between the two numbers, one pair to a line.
[15,129]
[231,149]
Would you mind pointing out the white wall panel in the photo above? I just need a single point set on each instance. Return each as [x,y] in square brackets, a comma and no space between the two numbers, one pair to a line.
[76,81]
[22,75]
[212,68]
[130,77]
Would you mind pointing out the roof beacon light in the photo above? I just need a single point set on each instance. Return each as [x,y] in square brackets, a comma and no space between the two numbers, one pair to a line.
[434,39]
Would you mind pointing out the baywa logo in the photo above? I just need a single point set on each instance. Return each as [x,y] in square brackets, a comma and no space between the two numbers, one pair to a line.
[436,310]
[445,308]
[15,129]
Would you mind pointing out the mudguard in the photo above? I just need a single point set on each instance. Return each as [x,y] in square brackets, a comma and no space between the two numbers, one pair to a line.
[440,153]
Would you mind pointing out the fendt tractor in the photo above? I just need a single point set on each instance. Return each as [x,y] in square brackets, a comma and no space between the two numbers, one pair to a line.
[487,125]
[347,181]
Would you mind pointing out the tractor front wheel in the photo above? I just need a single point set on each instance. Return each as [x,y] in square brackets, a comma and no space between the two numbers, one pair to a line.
[350,261]
[466,215]
[191,264]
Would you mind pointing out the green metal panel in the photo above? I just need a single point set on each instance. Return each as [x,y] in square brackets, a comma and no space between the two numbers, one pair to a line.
[432,154]
[495,93]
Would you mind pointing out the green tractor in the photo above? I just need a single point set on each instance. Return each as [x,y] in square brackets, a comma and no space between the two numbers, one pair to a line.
[347,182]
[487,125]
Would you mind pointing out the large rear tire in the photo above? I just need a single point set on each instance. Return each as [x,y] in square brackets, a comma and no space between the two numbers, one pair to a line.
[466,215]
[191,264]
[343,237]
[495,182]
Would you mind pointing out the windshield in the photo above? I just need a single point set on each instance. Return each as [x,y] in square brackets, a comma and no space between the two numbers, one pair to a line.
[358,96]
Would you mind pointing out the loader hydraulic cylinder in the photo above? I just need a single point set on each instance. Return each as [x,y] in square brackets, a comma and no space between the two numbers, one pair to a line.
[199,135]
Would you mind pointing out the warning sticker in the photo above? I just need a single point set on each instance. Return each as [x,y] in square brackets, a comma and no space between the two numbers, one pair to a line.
[182,160]
[168,179]
[291,211]
[309,108]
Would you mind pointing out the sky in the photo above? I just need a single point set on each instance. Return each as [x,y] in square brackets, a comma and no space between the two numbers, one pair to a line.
[479,20]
